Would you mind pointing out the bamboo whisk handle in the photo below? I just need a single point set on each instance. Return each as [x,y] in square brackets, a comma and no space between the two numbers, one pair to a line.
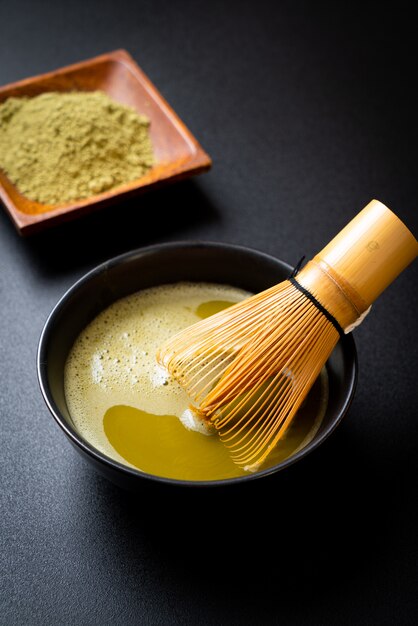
[359,263]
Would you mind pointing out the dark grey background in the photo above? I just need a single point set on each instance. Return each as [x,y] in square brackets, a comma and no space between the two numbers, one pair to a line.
[308,112]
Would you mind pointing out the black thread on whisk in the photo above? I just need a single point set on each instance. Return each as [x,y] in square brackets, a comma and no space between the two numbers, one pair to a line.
[297,267]
[314,301]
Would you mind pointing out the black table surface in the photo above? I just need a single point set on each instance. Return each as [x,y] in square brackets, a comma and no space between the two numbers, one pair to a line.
[308,111]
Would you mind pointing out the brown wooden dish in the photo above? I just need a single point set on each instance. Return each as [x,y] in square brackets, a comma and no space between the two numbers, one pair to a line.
[178,154]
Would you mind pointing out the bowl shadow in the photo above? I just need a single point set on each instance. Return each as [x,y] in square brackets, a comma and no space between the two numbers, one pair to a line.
[301,534]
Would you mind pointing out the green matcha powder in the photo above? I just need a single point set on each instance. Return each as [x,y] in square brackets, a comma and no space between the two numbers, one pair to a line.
[62,147]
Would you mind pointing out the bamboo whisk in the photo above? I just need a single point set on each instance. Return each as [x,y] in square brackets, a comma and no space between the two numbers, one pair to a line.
[249,368]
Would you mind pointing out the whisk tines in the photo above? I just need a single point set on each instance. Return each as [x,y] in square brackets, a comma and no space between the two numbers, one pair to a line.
[241,369]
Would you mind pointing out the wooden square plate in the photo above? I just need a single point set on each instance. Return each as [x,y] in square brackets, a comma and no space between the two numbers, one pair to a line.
[177,152]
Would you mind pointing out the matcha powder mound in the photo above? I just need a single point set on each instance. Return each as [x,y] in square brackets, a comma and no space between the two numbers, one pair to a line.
[62,147]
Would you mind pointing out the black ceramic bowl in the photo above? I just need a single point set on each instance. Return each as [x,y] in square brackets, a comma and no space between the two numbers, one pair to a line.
[155,265]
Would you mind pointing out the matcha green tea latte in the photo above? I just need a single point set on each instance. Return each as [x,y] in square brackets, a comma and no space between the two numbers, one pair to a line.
[127,406]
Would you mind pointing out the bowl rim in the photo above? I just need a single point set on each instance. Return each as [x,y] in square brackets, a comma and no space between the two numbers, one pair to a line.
[100,458]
